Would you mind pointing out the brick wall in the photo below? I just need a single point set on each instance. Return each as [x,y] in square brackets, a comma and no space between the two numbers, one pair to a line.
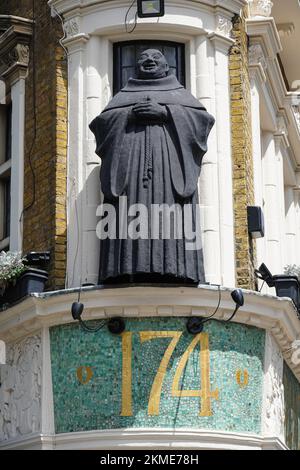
[243,179]
[45,137]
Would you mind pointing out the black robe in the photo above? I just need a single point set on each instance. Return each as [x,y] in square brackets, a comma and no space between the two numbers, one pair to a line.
[166,173]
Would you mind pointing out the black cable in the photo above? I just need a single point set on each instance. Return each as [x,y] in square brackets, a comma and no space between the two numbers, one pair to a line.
[92,330]
[218,306]
[135,19]
[262,286]
[34,116]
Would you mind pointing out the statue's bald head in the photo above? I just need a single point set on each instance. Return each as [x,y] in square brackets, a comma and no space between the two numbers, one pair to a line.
[152,64]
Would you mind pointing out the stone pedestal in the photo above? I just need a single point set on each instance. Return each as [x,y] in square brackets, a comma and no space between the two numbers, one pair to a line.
[155,385]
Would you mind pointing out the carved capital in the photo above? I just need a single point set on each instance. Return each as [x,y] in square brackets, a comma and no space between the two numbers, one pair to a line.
[261,8]
[71,27]
[281,126]
[296,111]
[224,25]
[15,36]
[256,56]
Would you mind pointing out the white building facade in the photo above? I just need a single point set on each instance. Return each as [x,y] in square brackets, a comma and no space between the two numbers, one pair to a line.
[241,392]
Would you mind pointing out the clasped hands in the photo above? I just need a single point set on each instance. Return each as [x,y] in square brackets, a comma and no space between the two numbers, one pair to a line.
[149,111]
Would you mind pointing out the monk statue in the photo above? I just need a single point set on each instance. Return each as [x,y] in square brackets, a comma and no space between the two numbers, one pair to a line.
[151,138]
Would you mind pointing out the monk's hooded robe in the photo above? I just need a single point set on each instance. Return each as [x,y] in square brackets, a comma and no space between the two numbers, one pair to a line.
[151,163]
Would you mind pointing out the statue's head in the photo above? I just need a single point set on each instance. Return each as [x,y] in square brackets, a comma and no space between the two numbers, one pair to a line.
[152,64]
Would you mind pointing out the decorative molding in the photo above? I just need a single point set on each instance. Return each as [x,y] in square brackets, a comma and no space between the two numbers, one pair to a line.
[285,29]
[15,36]
[264,32]
[20,391]
[18,55]
[71,27]
[150,439]
[257,57]
[281,126]
[273,404]
[224,25]
[281,134]
[66,7]
[50,309]
[296,111]
[261,8]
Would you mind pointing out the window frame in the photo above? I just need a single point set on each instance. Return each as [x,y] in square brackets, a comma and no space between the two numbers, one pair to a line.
[5,176]
[117,58]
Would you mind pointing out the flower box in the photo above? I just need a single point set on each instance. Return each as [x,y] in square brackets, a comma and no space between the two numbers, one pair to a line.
[31,281]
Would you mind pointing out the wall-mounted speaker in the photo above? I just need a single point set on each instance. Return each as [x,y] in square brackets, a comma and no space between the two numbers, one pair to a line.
[256,222]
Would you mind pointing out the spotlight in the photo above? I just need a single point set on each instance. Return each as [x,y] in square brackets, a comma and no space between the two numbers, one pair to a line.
[77,309]
[150,8]
[238,297]
[116,326]
[195,325]
[264,274]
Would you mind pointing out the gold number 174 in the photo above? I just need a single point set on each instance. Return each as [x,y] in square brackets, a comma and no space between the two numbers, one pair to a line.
[205,394]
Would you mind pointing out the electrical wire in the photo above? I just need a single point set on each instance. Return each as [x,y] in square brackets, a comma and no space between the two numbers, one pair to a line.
[135,19]
[90,329]
[262,286]
[218,306]
[67,106]
[25,209]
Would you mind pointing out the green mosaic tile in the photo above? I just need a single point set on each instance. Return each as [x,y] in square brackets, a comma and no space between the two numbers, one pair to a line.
[87,378]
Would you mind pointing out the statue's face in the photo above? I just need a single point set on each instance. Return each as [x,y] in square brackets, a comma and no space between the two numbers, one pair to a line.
[152,64]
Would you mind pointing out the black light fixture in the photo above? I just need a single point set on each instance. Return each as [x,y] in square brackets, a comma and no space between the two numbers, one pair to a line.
[265,275]
[150,8]
[115,325]
[238,297]
[195,325]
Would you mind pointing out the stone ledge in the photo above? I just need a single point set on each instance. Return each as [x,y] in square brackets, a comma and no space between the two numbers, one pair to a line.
[150,439]
[54,308]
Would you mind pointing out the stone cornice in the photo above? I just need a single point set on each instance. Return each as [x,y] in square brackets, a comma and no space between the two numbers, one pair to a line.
[262,311]
[265,29]
[263,64]
[146,438]
[15,36]
[67,6]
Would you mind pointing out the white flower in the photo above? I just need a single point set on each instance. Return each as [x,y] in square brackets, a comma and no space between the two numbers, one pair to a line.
[11,266]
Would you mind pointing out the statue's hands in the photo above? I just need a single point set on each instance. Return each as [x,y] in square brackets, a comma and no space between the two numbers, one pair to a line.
[149,110]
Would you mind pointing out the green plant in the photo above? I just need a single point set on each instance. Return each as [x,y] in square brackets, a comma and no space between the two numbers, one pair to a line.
[292,270]
[11,267]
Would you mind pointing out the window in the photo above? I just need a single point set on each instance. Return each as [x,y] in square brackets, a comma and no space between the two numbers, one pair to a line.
[5,174]
[126,54]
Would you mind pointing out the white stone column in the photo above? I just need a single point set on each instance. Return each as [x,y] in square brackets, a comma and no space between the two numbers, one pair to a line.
[290,226]
[98,93]
[257,67]
[273,391]
[75,182]
[209,179]
[47,407]
[17,163]
[224,160]
[272,204]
